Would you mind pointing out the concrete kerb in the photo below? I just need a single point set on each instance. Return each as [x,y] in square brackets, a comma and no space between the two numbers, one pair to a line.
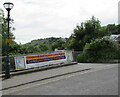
[37,69]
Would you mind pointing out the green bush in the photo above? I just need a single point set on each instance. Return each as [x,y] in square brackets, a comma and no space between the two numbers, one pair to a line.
[100,49]
[81,58]
[12,63]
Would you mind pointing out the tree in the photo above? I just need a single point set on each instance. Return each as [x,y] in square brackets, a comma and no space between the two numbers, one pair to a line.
[112,28]
[59,44]
[44,48]
[84,34]
[89,31]
[118,29]
[3,34]
[23,49]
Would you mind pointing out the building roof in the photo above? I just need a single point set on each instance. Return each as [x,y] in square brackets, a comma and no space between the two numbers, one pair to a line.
[115,37]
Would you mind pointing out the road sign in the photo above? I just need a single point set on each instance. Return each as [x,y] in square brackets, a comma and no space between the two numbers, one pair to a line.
[8,40]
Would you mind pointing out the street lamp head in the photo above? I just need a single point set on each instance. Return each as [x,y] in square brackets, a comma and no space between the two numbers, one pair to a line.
[8,6]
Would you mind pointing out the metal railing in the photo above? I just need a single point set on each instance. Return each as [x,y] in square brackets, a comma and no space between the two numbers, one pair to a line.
[12,60]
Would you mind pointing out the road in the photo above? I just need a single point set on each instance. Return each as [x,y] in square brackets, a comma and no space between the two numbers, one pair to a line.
[97,81]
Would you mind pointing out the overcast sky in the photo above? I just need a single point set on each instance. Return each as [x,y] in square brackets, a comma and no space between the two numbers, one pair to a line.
[35,19]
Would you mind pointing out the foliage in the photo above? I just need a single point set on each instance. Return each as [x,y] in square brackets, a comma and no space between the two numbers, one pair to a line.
[59,44]
[113,29]
[87,37]
[85,33]
[88,31]
[42,45]
[100,49]
[4,34]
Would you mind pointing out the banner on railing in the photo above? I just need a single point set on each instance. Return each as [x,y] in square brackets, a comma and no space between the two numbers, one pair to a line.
[20,63]
[39,60]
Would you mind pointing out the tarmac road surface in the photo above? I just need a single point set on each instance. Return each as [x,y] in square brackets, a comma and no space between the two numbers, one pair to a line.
[102,79]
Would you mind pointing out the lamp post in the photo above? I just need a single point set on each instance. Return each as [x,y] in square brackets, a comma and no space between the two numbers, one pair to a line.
[8,6]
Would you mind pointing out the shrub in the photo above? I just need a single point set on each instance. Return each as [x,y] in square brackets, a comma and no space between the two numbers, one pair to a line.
[81,58]
[100,49]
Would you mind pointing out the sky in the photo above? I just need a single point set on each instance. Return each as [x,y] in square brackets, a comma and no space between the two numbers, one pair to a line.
[35,19]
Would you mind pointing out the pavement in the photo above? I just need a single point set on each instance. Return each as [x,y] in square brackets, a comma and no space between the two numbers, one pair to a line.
[27,78]
[20,72]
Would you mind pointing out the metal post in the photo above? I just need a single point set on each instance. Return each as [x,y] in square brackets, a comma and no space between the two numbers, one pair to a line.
[8,6]
[7,73]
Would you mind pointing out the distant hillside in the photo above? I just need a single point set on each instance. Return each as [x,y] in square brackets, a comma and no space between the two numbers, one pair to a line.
[43,45]
[47,41]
